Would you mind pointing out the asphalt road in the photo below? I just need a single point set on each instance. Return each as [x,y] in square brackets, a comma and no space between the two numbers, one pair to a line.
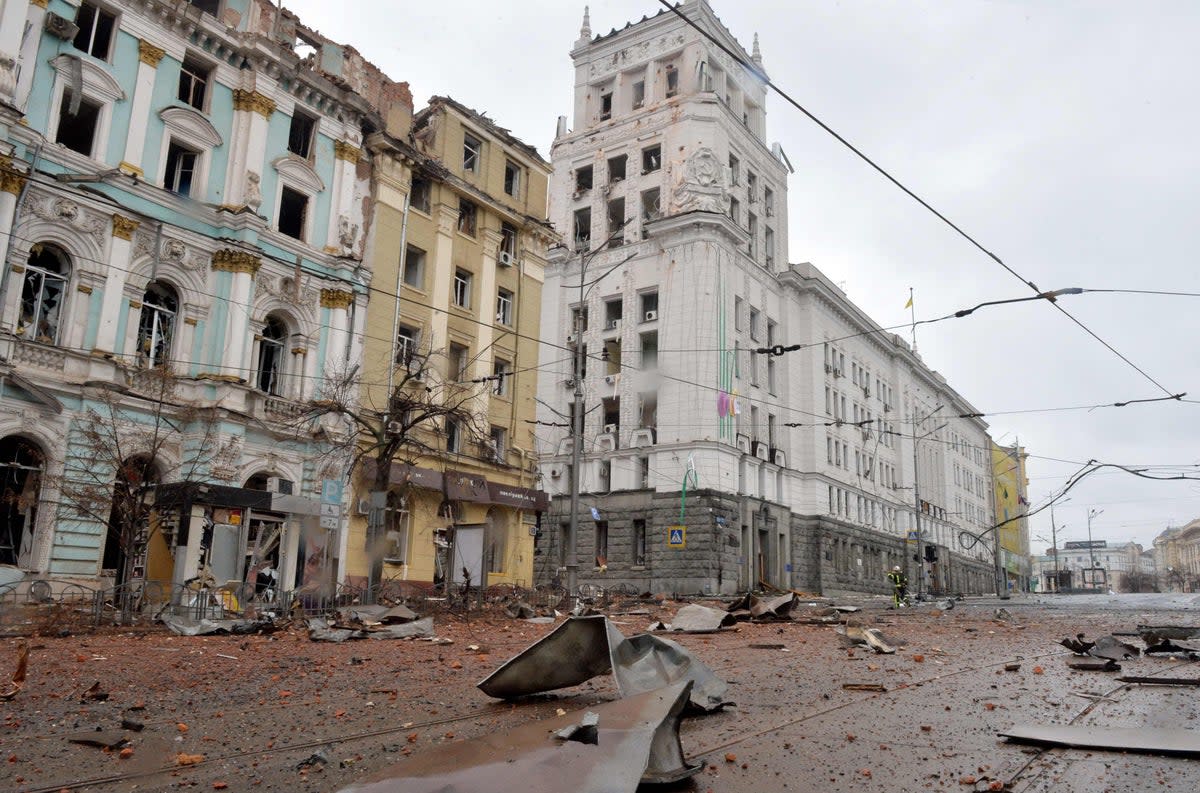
[249,710]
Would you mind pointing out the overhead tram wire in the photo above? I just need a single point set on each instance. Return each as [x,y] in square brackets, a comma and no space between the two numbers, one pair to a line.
[750,67]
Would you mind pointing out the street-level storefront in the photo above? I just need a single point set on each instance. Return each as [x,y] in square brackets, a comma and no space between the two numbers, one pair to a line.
[488,526]
[235,537]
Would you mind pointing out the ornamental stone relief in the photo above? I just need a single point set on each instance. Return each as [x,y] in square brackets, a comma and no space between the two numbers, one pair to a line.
[172,251]
[701,185]
[62,210]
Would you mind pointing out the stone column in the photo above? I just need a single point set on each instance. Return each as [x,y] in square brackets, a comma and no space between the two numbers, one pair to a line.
[11,182]
[119,260]
[248,152]
[143,91]
[243,265]
[346,157]
[443,277]
[338,302]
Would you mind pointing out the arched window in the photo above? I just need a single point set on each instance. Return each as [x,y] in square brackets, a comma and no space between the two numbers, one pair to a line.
[21,466]
[270,355]
[42,297]
[156,329]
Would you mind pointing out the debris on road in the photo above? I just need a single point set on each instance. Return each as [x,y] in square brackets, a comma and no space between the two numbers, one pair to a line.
[637,741]
[694,618]
[1157,634]
[17,682]
[1093,664]
[584,647]
[101,739]
[1113,648]
[316,759]
[1117,739]
[321,630]
[1162,681]
[871,637]
[1174,647]
[520,610]
[584,732]
[186,626]
[1077,644]
[759,609]
[864,687]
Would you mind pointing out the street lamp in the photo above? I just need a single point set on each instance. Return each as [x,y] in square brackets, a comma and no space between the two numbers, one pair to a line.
[917,494]
[1091,549]
[1054,540]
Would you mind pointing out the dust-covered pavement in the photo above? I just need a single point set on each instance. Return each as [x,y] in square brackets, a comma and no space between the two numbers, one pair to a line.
[247,711]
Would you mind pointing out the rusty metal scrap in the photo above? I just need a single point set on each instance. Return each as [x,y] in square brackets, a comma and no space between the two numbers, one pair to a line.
[1125,739]
[637,740]
[585,647]
[17,682]
[694,618]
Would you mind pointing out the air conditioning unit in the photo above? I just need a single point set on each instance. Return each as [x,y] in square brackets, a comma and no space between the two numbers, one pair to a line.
[362,506]
[555,473]
[743,444]
[278,485]
[887,408]
[61,27]
[866,391]
[572,338]
[828,369]
[613,324]
[651,316]
[506,259]
[838,373]
[610,428]
[569,382]
[395,427]
[611,379]
[770,211]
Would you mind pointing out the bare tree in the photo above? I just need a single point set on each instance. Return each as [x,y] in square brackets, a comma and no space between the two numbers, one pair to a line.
[121,449]
[423,413]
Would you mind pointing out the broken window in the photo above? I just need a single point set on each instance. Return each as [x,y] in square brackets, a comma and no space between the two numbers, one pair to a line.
[472,152]
[460,360]
[462,288]
[193,82]
[616,221]
[467,217]
[601,543]
[270,355]
[46,274]
[207,6]
[77,131]
[414,267]
[616,168]
[752,228]
[751,187]
[638,542]
[735,166]
[583,179]
[453,436]
[735,211]
[504,307]
[293,212]
[95,30]
[21,467]
[407,339]
[649,350]
[512,178]
[499,441]
[769,247]
[639,94]
[606,105]
[156,326]
[651,209]
[651,159]
[181,169]
[769,202]
[583,229]
[419,197]
[501,371]
[300,134]
[649,306]
[672,80]
[508,242]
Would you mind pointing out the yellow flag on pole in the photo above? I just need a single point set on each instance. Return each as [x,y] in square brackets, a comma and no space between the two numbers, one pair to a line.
[909,303]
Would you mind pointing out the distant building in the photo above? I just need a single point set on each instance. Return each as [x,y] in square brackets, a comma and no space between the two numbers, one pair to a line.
[1099,565]
[1010,488]
[708,464]
[1177,558]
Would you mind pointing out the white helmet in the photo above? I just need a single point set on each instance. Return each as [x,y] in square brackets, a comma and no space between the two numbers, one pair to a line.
[896,568]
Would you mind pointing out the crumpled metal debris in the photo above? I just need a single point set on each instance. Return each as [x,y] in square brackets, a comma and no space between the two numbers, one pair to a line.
[187,626]
[17,682]
[584,647]
[376,614]
[1174,647]
[520,610]
[322,631]
[1104,647]
[637,741]
[828,615]
[871,637]
[945,605]
[1157,634]
[1093,664]
[753,607]
[585,731]
[1118,739]
[1077,644]
[694,618]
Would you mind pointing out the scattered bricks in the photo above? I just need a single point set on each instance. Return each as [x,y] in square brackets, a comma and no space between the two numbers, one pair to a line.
[989,706]
[866,772]
[996,784]
[412,737]
[851,737]
[220,785]
[926,728]
[730,757]
[969,779]
[1037,670]
[456,665]
[189,759]
[125,753]
[181,727]
[920,659]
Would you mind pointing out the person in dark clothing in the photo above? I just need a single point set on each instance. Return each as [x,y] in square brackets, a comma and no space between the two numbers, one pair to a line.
[899,587]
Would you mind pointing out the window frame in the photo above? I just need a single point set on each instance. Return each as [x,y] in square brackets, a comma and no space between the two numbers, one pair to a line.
[408,344]
[472,159]
[461,288]
[63,276]
[422,186]
[274,387]
[512,178]
[307,222]
[112,33]
[98,130]
[158,316]
[170,180]
[651,159]
[409,252]
[309,155]
[505,302]
[502,371]
[200,73]
[468,218]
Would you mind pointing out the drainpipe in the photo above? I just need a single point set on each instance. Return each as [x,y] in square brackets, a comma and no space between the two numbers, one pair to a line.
[399,286]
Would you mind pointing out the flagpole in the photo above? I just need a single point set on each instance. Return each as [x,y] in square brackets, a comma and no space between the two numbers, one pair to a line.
[913,316]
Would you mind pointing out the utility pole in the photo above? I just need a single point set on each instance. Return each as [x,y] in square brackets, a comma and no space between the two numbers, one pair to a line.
[917,496]
[1054,539]
[1091,550]
[571,556]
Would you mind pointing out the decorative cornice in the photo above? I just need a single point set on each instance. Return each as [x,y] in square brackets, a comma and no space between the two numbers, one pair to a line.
[336,298]
[190,321]
[346,151]
[11,181]
[124,227]
[84,288]
[299,351]
[233,261]
[135,304]
[253,100]
[149,54]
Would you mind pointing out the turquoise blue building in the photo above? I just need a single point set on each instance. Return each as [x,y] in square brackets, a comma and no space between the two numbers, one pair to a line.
[183,192]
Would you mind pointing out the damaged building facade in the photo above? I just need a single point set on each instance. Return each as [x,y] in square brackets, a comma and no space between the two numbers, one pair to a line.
[707,466]
[183,196]
[457,247]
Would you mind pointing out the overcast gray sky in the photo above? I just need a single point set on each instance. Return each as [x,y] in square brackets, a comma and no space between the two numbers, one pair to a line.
[1062,135]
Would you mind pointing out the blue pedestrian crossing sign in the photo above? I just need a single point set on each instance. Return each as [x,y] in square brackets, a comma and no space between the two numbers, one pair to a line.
[912,536]
[677,537]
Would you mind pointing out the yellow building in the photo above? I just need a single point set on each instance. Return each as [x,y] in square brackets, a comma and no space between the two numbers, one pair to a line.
[1011,496]
[458,232]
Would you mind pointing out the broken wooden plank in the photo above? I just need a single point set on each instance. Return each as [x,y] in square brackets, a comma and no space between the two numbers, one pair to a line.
[863,687]
[1117,739]
[1162,681]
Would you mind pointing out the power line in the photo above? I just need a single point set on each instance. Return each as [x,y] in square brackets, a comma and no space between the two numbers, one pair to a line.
[754,70]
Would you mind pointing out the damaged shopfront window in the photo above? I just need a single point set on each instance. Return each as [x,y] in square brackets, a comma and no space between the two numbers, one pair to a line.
[43,294]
